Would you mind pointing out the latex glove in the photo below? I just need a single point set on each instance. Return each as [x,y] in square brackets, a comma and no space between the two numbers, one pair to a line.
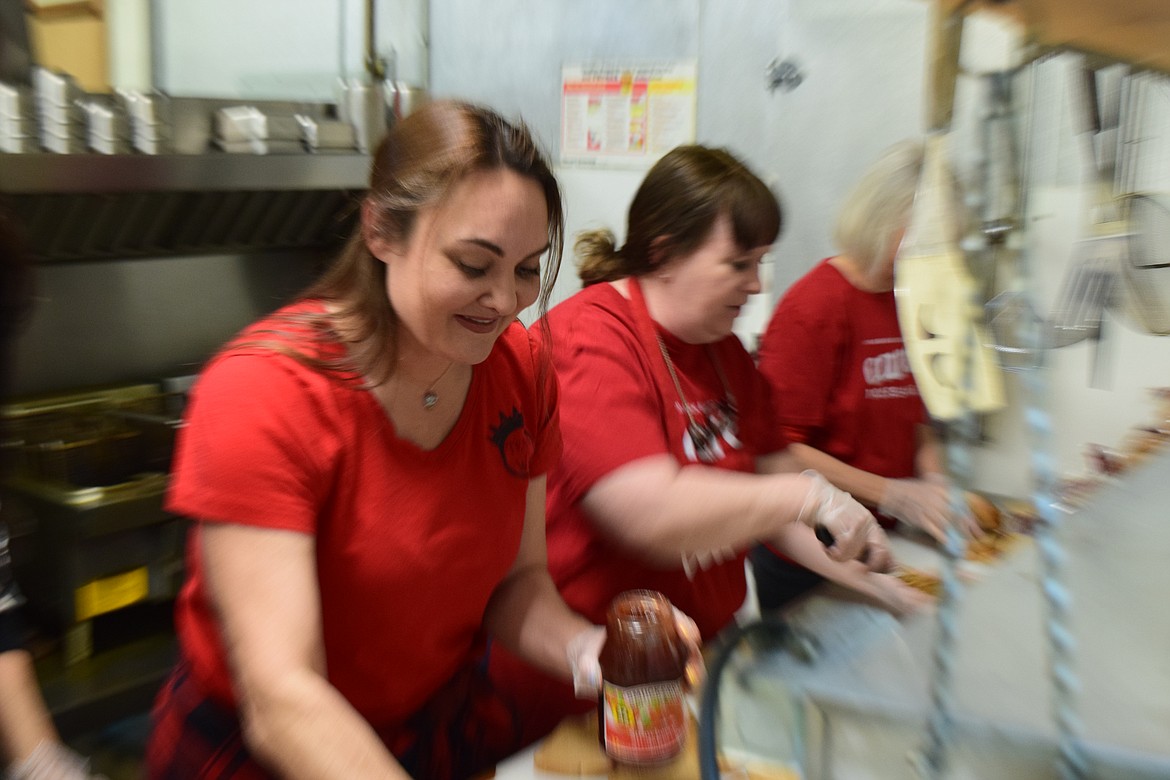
[51,761]
[693,563]
[850,524]
[584,655]
[895,596]
[878,557]
[924,504]
[688,632]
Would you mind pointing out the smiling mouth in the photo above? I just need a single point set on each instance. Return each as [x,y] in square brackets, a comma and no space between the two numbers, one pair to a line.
[478,324]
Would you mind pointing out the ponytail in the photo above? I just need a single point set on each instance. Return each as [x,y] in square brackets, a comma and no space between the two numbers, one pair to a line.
[598,258]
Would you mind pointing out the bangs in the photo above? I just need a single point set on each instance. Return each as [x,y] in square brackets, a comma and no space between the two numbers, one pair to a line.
[753,210]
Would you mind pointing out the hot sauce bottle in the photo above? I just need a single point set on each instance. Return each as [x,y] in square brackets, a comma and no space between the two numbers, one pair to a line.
[642,712]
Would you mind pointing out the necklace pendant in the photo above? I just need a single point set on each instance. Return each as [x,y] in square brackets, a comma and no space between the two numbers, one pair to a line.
[703,440]
[429,399]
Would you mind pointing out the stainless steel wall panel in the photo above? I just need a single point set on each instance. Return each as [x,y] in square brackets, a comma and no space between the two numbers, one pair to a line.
[110,321]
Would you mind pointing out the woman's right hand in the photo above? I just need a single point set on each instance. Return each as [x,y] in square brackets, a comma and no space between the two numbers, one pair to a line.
[52,760]
[850,524]
[584,655]
[926,504]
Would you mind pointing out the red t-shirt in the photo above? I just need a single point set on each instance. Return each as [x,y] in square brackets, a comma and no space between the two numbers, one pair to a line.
[838,369]
[410,543]
[614,411]
[618,405]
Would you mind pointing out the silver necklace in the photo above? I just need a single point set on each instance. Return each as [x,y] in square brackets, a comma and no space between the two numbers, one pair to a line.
[702,435]
[430,398]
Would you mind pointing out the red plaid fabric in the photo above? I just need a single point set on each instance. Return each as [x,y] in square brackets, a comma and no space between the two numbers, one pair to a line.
[193,737]
[463,731]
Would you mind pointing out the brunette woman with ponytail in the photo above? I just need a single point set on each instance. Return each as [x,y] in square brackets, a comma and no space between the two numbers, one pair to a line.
[673,463]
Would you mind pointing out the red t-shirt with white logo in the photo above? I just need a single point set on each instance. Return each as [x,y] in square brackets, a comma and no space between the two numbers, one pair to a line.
[835,359]
[618,405]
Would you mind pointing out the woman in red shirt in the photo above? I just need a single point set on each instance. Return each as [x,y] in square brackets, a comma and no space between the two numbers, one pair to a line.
[674,464]
[845,397]
[366,473]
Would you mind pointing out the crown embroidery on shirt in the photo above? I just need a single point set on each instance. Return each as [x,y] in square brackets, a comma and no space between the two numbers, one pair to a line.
[513,442]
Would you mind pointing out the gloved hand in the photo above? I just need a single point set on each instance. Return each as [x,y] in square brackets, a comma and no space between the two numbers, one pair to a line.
[925,504]
[877,556]
[693,563]
[51,761]
[584,655]
[848,522]
[688,632]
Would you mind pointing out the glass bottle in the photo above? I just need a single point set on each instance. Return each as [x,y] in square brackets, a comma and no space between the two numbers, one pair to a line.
[642,713]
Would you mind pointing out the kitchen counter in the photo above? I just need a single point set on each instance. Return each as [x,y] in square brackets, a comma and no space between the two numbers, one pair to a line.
[861,705]
[858,708]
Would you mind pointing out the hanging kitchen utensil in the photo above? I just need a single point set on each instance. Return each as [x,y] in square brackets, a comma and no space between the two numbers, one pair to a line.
[1089,285]
[1101,276]
[955,373]
[1009,314]
[1125,261]
[998,182]
[935,292]
[1143,299]
[937,302]
[1012,323]
[1085,292]
[1146,275]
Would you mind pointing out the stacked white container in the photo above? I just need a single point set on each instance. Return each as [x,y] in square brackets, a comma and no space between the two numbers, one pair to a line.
[327,136]
[150,121]
[18,125]
[61,120]
[248,130]
[107,125]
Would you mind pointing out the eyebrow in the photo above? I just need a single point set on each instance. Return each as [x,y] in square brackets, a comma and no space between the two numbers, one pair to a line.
[497,251]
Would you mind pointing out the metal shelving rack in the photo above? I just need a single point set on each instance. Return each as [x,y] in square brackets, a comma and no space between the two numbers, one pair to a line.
[42,173]
[93,206]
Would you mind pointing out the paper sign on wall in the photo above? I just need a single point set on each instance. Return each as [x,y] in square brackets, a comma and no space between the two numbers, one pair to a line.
[612,114]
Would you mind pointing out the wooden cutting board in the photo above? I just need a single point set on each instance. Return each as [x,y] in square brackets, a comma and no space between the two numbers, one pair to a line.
[572,750]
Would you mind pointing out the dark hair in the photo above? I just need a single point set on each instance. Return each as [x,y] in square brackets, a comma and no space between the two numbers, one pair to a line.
[415,166]
[678,201]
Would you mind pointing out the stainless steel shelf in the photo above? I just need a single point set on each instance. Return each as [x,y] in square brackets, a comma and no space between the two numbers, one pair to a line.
[87,206]
[45,173]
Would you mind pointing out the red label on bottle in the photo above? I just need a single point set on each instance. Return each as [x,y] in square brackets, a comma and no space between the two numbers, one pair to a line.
[644,724]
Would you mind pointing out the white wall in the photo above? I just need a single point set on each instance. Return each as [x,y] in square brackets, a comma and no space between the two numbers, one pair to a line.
[864,85]
[279,49]
[593,199]
[129,43]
